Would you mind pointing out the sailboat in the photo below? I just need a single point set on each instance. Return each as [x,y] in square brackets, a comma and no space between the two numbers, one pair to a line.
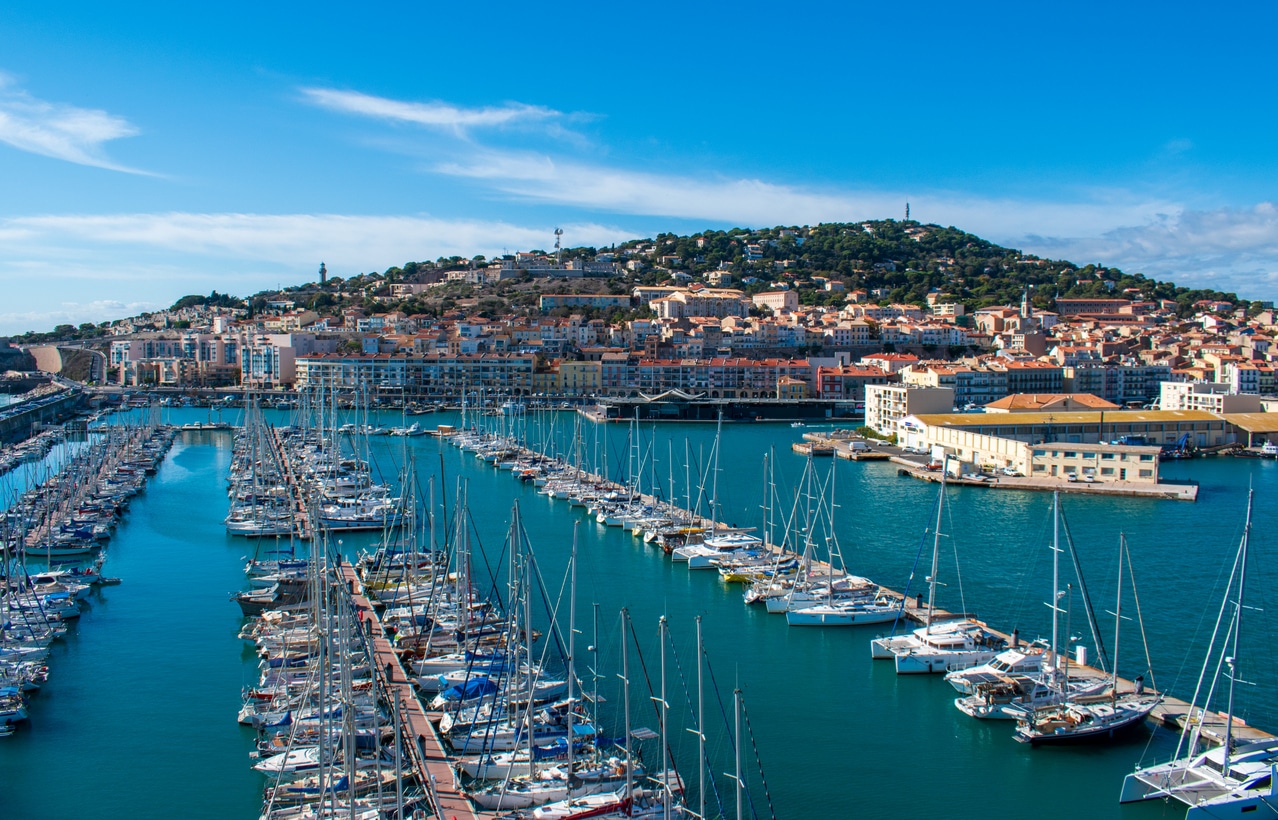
[1006,695]
[938,647]
[1235,778]
[1078,717]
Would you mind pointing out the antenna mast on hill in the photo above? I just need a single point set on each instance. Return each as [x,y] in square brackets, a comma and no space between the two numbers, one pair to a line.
[558,251]
[907,212]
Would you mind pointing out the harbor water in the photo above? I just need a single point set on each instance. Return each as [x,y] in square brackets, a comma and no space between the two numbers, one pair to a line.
[138,717]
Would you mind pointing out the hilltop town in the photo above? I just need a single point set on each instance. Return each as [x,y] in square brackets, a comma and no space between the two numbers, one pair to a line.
[804,313]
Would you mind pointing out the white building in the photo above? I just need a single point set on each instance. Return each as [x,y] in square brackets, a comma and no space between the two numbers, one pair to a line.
[1212,397]
[887,404]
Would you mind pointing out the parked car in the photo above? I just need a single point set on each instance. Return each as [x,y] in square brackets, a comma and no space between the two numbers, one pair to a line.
[1071,477]
[1008,471]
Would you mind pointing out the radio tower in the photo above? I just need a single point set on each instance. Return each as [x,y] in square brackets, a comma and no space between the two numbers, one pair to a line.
[558,251]
[907,212]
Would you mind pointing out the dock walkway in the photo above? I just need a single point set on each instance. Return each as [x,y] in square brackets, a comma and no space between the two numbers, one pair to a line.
[427,755]
[301,517]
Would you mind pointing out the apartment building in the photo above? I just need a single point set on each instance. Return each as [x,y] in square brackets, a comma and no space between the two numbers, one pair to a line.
[886,405]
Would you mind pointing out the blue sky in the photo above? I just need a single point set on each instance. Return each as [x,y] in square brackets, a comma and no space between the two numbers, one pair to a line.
[156,150]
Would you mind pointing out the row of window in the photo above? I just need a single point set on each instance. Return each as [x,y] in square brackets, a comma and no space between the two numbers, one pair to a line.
[1103,456]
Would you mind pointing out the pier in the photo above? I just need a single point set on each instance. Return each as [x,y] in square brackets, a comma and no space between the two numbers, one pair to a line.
[429,759]
[1171,712]
[301,516]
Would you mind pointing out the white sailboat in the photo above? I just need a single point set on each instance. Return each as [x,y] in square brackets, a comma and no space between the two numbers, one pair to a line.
[938,647]
[1077,718]
[1234,779]
[1010,696]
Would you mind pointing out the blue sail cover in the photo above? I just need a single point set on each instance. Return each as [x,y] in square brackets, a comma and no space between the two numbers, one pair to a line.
[473,688]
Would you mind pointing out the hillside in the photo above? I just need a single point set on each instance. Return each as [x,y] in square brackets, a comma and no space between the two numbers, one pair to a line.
[902,261]
[898,262]
[909,259]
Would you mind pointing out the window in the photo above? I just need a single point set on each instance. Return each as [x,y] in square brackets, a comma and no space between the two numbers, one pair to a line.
[1089,455]
[1146,473]
[1040,452]
[1107,456]
[1146,458]
[1107,470]
[1071,454]
[1038,468]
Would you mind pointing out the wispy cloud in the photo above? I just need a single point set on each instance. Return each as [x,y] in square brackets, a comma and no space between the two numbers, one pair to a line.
[1231,249]
[1227,249]
[158,258]
[294,239]
[439,115]
[74,313]
[751,201]
[58,130]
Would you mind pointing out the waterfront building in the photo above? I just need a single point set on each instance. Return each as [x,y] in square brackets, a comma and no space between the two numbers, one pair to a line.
[1049,403]
[1212,397]
[1121,382]
[972,386]
[886,405]
[848,382]
[1160,427]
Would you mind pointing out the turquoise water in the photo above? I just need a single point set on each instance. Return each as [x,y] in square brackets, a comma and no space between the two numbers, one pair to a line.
[138,719]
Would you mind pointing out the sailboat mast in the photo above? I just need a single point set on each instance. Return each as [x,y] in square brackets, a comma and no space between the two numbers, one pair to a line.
[572,644]
[1056,581]
[701,722]
[665,739]
[714,493]
[625,681]
[1118,614]
[1232,660]
[936,554]
[736,713]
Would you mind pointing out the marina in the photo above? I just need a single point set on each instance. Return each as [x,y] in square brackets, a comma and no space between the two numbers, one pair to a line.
[618,559]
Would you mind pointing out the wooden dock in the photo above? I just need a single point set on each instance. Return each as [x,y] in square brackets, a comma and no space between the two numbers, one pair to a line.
[301,516]
[429,760]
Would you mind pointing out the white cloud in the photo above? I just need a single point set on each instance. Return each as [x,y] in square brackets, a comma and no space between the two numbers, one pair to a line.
[294,238]
[1231,249]
[756,202]
[73,313]
[60,131]
[433,114]
[154,259]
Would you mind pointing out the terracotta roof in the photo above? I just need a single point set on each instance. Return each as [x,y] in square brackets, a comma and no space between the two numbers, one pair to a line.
[1036,401]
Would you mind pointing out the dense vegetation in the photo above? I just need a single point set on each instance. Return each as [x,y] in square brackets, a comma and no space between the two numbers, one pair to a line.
[907,260]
